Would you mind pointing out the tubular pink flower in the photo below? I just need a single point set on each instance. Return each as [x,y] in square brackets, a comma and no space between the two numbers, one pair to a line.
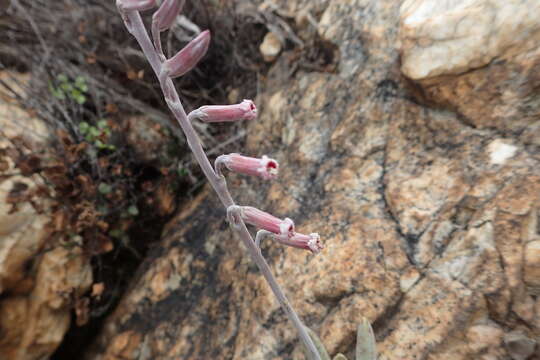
[262,220]
[310,242]
[265,168]
[246,110]
[189,56]
[137,5]
[166,14]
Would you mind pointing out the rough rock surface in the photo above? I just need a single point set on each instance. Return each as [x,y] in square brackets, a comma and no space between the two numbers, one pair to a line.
[431,220]
[479,58]
[37,282]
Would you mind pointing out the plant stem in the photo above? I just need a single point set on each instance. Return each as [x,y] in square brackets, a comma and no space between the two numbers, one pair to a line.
[137,29]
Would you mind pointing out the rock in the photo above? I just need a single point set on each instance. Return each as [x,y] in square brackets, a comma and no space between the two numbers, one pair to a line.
[532,265]
[146,139]
[43,317]
[452,37]
[16,121]
[478,58]
[37,281]
[426,219]
[481,337]
[519,346]
[270,47]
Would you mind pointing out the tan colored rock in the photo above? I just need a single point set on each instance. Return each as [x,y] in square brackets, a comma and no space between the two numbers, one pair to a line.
[17,121]
[270,47]
[481,337]
[519,345]
[426,219]
[145,138]
[532,265]
[37,284]
[452,37]
[477,57]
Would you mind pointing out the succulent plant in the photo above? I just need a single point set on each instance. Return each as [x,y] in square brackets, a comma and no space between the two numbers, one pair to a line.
[365,344]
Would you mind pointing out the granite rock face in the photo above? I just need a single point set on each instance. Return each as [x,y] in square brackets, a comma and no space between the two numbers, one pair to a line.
[430,214]
[479,58]
[37,282]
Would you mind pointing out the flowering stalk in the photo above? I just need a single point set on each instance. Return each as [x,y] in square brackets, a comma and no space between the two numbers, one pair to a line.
[156,59]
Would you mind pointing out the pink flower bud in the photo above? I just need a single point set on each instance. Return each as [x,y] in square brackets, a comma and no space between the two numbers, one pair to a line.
[189,56]
[265,221]
[167,13]
[265,167]
[310,242]
[137,5]
[246,110]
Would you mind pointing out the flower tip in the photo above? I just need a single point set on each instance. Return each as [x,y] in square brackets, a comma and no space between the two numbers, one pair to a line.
[286,227]
[269,169]
[250,109]
[314,243]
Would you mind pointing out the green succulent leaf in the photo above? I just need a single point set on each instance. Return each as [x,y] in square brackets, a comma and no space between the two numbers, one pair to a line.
[102,124]
[79,98]
[318,344]
[83,127]
[57,93]
[182,172]
[93,131]
[340,357]
[116,233]
[133,210]
[104,188]
[67,87]
[366,348]
[80,82]
[62,78]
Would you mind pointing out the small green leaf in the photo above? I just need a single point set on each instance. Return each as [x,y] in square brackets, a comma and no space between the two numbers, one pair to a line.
[94,131]
[133,210]
[111,147]
[182,172]
[102,124]
[67,87]
[83,87]
[78,97]
[62,78]
[59,94]
[366,348]
[340,357]
[116,233]
[104,188]
[99,144]
[83,127]
[318,344]
[103,210]
[80,82]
